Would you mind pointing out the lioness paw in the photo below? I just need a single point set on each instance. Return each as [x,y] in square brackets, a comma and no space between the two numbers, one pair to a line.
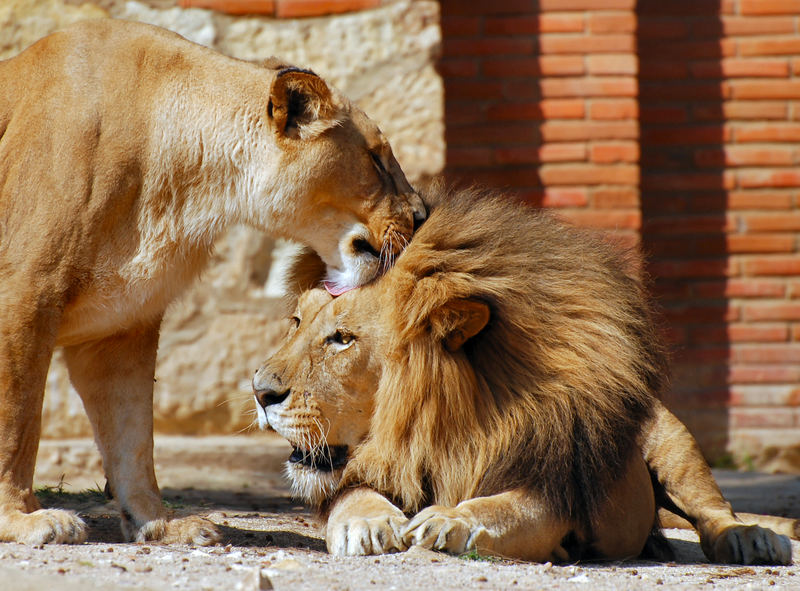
[192,531]
[45,526]
[360,536]
[750,544]
[442,528]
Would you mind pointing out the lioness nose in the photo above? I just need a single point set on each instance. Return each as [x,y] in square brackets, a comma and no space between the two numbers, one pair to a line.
[418,209]
[269,397]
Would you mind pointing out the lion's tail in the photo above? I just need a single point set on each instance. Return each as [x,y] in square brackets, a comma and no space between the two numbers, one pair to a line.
[780,525]
[786,526]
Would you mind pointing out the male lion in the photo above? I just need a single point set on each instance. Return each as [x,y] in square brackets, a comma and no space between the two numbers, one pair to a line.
[499,384]
[125,150]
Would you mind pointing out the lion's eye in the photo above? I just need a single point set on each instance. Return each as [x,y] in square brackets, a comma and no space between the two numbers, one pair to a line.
[341,337]
[296,321]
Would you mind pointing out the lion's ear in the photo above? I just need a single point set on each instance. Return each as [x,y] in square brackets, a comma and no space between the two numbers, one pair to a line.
[300,104]
[458,321]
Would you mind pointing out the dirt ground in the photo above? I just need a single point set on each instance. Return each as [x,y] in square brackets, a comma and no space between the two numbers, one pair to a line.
[271,541]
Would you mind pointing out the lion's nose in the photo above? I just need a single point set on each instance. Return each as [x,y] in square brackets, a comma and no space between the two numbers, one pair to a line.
[268,388]
[269,397]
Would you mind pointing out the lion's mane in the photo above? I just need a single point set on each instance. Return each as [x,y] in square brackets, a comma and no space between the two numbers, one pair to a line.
[549,396]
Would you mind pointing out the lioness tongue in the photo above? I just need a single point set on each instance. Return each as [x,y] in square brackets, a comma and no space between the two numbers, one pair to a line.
[337,290]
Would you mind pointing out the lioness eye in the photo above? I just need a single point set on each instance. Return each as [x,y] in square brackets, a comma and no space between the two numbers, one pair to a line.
[296,321]
[376,160]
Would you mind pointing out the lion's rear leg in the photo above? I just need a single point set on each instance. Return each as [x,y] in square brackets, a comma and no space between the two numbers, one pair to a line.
[686,486]
[114,377]
[27,335]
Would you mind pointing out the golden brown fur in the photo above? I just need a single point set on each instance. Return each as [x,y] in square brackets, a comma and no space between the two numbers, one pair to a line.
[559,380]
[501,382]
[125,150]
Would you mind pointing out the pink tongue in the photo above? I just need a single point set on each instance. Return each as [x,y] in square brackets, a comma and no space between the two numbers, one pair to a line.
[337,290]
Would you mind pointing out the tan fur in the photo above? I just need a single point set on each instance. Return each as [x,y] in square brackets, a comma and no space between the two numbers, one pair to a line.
[125,150]
[499,385]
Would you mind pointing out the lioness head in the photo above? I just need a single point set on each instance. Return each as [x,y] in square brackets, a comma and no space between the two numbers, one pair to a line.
[351,201]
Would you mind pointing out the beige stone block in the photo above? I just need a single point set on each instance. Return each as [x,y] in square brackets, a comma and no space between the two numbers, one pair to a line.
[22,22]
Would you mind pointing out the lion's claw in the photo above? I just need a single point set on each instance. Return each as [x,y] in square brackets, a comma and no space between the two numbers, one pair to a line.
[442,528]
[361,536]
[750,544]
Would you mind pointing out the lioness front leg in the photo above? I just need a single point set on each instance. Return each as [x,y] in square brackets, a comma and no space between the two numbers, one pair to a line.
[364,522]
[513,524]
[27,335]
[689,489]
[114,377]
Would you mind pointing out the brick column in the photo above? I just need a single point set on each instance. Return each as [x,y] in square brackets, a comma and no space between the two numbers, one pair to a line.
[541,100]
[673,123]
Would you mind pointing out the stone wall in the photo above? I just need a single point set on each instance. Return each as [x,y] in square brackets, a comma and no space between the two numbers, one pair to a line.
[216,336]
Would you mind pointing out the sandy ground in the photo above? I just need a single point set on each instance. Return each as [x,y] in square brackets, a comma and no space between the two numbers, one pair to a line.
[271,541]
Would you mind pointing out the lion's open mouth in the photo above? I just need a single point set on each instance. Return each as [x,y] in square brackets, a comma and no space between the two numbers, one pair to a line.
[326,460]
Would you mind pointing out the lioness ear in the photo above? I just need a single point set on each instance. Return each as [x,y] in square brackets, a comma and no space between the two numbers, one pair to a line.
[458,321]
[300,104]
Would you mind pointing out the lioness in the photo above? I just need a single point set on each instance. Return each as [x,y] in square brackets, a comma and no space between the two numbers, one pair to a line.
[499,386]
[125,150]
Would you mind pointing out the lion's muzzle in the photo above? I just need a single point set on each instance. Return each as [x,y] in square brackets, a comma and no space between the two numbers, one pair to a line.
[326,459]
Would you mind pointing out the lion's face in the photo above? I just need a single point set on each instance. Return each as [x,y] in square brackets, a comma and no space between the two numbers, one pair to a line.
[317,390]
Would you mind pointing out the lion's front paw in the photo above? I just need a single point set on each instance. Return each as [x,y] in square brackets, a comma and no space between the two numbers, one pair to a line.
[193,531]
[45,526]
[360,536]
[443,528]
[749,544]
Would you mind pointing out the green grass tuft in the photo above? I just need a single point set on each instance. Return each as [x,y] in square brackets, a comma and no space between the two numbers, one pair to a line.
[49,495]
[475,555]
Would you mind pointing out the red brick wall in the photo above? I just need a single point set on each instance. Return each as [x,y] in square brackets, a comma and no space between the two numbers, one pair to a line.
[676,124]
[542,99]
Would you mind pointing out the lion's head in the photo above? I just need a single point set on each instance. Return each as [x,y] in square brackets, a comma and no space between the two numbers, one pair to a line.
[503,349]
[339,184]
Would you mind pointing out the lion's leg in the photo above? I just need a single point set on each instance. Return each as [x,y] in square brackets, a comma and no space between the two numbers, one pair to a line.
[512,524]
[363,522]
[689,489]
[114,378]
[27,336]
[517,525]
